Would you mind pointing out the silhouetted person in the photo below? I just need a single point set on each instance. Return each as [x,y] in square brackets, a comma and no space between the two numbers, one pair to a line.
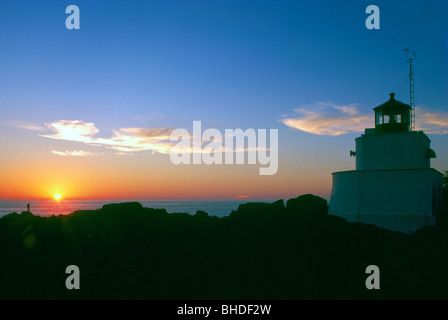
[28,207]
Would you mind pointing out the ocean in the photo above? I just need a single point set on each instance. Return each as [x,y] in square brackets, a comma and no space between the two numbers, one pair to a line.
[48,208]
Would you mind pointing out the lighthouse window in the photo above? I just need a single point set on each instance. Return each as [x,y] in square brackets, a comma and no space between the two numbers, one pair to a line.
[379,118]
[398,118]
[386,118]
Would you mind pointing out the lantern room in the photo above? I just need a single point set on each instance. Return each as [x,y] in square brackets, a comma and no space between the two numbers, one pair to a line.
[392,116]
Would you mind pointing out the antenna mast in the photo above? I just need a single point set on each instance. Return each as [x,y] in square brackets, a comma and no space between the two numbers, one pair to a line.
[409,59]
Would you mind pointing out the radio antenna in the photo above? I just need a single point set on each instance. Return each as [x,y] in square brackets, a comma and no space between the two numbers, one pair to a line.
[409,59]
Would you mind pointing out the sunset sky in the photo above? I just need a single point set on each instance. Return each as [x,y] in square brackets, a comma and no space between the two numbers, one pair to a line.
[87,113]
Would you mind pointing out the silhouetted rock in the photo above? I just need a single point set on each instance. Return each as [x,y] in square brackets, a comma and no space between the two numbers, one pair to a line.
[123,207]
[201,213]
[442,221]
[260,251]
[307,205]
[26,214]
[252,209]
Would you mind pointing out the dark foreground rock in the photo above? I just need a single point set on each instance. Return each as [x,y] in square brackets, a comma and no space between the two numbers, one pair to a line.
[260,251]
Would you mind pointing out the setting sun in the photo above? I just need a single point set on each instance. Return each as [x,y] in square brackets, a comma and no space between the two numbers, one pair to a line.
[57,196]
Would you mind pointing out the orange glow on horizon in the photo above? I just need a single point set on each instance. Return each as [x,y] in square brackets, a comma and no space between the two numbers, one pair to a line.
[151,178]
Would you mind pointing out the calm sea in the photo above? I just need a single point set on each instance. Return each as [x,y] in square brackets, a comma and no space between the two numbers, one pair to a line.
[50,207]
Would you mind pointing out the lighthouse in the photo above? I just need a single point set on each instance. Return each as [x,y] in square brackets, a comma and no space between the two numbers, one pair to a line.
[393,185]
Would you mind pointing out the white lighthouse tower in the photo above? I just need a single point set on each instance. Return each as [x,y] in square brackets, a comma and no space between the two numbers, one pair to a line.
[393,185]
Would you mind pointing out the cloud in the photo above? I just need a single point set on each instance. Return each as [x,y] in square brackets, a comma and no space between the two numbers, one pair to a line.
[73,153]
[333,120]
[125,140]
[431,122]
[26,125]
[329,119]
[74,130]
[123,153]
[122,140]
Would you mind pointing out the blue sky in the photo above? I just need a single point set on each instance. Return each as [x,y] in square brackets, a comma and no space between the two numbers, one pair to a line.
[230,64]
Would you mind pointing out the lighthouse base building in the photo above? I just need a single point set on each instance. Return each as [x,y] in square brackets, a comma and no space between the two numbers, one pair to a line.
[393,185]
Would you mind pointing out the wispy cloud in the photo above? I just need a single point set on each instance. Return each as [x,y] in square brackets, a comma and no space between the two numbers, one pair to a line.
[27,125]
[73,153]
[122,140]
[431,122]
[328,119]
[123,153]
[125,141]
